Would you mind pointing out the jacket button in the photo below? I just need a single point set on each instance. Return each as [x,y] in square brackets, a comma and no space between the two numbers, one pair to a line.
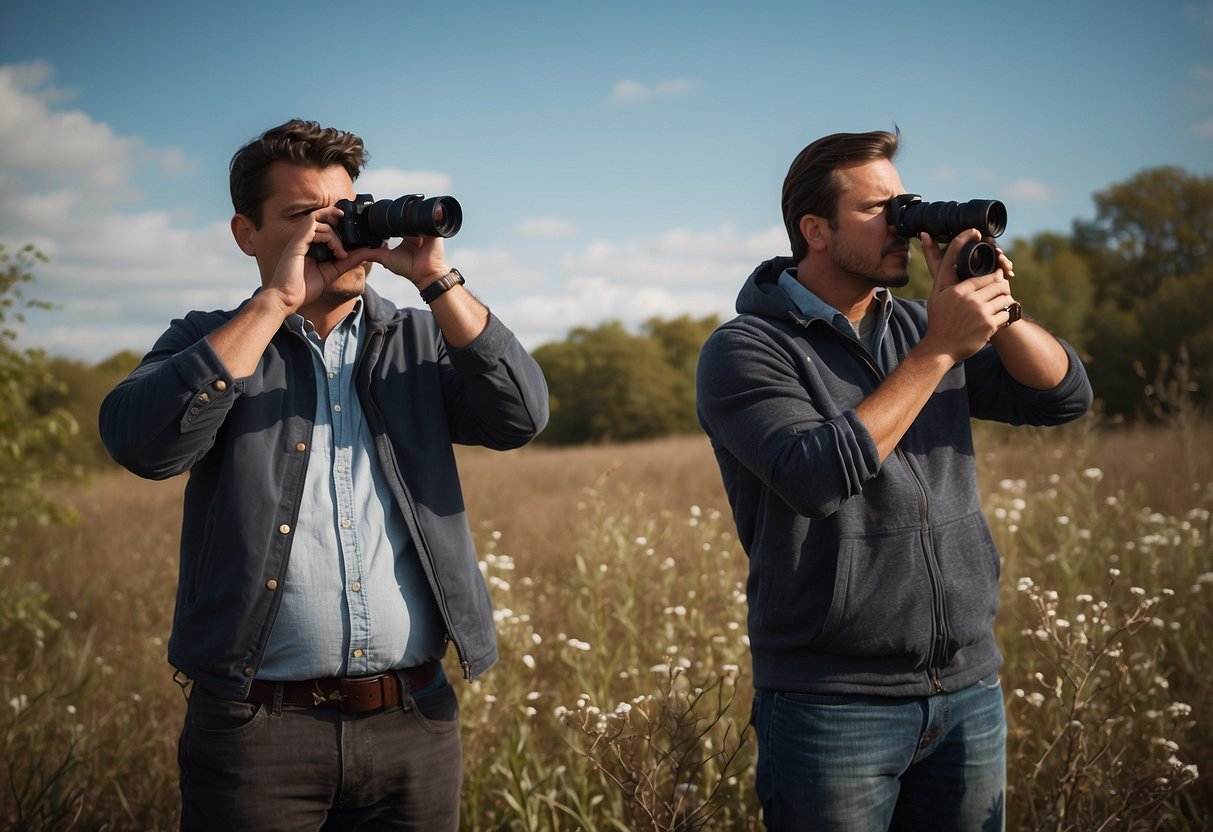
[301,446]
[284,528]
[271,584]
[219,384]
[248,670]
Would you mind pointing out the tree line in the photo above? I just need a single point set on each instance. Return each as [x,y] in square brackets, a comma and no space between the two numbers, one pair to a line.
[1131,289]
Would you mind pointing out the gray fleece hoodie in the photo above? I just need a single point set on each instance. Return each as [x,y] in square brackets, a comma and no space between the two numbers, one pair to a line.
[864,577]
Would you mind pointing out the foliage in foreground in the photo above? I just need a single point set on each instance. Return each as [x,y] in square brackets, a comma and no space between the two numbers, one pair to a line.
[622,698]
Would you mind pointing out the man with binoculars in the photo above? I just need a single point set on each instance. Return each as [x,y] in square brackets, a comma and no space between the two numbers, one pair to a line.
[326,558]
[839,416]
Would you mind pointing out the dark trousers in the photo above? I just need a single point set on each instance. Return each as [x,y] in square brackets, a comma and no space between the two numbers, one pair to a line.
[247,766]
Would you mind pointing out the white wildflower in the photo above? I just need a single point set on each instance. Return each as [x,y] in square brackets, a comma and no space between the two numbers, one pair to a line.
[1178,709]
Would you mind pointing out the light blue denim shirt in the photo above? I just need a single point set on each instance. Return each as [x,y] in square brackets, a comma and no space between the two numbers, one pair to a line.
[812,306]
[356,600]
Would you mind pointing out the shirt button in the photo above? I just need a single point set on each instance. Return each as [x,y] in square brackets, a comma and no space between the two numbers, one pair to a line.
[358,653]
[340,469]
[219,384]
[337,408]
[331,374]
[271,584]
[345,523]
[356,586]
[301,446]
[284,528]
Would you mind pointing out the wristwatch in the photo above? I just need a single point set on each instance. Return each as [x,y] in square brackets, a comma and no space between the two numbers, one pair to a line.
[452,278]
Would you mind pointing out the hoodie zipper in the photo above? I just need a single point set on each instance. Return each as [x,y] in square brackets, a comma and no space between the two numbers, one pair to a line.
[938,636]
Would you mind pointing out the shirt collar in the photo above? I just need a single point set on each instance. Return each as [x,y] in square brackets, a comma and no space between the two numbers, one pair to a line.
[811,306]
[302,326]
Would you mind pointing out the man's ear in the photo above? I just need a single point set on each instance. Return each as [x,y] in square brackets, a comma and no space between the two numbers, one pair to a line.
[242,231]
[814,229]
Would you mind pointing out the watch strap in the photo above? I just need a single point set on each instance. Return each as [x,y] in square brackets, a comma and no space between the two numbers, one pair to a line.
[434,290]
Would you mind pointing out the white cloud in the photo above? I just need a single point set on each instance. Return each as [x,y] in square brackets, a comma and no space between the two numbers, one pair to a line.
[1032,190]
[628,91]
[116,277]
[679,257]
[943,174]
[118,274]
[679,272]
[389,183]
[65,146]
[546,227]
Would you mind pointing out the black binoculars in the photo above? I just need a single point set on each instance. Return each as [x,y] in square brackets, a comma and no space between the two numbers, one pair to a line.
[910,216]
[366,223]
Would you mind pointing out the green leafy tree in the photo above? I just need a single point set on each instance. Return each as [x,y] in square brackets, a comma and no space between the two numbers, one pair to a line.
[921,282]
[1053,282]
[1156,225]
[607,384]
[1149,252]
[77,388]
[33,443]
[680,340]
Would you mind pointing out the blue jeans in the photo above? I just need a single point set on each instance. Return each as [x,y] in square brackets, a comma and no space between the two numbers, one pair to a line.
[247,767]
[867,763]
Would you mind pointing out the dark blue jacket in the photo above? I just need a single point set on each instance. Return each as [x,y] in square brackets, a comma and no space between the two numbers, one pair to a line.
[245,444]
[864,577]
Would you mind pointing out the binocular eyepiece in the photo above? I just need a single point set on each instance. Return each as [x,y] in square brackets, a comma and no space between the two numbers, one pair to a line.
[910,216]
[366,223]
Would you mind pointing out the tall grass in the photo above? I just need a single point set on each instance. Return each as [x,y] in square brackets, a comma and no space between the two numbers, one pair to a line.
[623,693]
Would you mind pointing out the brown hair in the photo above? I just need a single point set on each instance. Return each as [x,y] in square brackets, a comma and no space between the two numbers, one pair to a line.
[813,183]
[299,142]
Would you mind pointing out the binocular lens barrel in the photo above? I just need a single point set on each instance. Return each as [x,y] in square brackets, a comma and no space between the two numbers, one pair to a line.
[944,220]
[413,216]
[975,259]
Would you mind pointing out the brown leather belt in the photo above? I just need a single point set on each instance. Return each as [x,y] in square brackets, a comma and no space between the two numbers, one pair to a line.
[350,695]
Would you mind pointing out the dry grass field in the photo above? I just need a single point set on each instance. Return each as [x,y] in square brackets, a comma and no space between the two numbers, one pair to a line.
[622,697]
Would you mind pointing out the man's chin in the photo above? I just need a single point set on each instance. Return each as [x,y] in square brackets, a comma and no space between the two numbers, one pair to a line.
[349,285]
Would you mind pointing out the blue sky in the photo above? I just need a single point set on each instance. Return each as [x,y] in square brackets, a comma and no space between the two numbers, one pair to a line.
[614,161]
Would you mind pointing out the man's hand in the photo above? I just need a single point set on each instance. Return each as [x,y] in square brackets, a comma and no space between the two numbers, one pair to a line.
[421,259]
[962,315]
[299,280]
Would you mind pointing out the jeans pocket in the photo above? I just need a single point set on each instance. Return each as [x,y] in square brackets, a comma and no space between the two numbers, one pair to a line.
[437,711]
[222,717]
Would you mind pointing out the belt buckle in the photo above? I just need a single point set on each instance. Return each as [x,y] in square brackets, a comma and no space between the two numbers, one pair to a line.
[319,697]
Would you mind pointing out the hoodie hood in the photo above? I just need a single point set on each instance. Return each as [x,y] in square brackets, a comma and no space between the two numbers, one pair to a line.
[761,294]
